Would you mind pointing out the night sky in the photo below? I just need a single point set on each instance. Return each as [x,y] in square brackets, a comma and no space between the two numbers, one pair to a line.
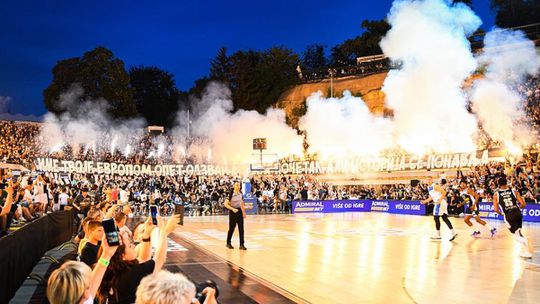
[178,36]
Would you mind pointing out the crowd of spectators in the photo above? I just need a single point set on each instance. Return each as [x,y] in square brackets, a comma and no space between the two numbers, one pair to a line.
[21,142]
[360,69]
[530,90]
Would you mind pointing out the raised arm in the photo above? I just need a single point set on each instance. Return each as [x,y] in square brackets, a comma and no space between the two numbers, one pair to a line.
[145,252]
[164,231]
[101,266]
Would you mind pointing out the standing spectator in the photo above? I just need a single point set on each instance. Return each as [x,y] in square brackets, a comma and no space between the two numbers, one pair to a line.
[93,238]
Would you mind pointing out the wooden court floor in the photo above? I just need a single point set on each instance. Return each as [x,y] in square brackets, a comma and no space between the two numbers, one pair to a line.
[375,258]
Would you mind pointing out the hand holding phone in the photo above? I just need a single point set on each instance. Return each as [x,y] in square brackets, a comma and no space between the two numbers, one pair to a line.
[108,250]
[111,234]
[153,214]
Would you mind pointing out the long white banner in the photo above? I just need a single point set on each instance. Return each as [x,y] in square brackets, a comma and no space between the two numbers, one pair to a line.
[386,164]
[95,167]
[355,166]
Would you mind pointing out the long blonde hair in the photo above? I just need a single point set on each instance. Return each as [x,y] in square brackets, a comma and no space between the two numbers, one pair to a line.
[68,283]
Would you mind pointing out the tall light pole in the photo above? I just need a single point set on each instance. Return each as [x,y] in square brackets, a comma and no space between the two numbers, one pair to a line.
[331,71]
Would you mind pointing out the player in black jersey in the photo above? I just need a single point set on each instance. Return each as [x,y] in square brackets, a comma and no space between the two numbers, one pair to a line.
[470,203]
[507,199]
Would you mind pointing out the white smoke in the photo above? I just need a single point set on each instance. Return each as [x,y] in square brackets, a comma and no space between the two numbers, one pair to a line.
[344,127]
[4,103]
[231,134]
[429,39]
[86,125]
[508,57]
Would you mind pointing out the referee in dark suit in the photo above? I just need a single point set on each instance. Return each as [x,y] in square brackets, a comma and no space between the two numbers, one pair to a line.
[237,214]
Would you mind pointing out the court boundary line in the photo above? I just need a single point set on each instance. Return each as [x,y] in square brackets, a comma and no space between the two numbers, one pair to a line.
[407,291]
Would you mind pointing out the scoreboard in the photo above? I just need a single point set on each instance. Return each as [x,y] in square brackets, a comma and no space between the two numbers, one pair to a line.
[259,144]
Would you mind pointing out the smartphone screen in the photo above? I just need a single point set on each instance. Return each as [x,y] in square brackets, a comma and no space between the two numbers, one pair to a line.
[153,213]
[111,234]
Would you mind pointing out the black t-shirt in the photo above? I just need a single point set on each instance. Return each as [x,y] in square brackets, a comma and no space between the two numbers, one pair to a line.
[129,281]
[89,253]
[304,194]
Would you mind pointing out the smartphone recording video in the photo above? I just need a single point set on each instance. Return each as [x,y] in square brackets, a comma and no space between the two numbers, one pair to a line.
[111,234]
[154,213]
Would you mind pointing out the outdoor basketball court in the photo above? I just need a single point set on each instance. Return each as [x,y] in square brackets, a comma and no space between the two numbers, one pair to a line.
[369,258]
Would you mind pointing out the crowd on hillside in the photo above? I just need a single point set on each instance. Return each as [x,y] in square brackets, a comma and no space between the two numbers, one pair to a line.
[361,69]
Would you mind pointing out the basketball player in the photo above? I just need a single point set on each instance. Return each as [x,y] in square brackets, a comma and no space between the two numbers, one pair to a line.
[508,200]
[437,194]
[470,202]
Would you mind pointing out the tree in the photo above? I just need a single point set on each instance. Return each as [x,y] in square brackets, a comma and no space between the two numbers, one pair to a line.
[220,66]
[313,58]
[199,86]
[100,75]
[258,78]
[155,94]
[363,45]
[277,72]
[244,84]
[512,13]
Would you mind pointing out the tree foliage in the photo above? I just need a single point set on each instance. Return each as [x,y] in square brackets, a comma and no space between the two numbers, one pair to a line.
[100,74]
[512,13]
[363,45]
[314,58]
[155,94]
[220,66]
[255,78]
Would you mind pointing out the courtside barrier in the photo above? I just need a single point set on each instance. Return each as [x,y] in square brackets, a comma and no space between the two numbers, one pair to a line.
[531,213]
[22,249]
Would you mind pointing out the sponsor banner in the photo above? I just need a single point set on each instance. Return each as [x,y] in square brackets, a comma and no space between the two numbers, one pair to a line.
[94,167]
[396,207]
[406,207]
[531,213]
[331,206]
[250,203]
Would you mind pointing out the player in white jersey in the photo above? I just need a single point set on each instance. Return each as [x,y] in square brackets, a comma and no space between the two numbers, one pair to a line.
[437,194]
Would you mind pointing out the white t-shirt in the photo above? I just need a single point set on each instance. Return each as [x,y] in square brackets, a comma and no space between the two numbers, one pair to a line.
[28,196]
[124,196]
[63,198]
